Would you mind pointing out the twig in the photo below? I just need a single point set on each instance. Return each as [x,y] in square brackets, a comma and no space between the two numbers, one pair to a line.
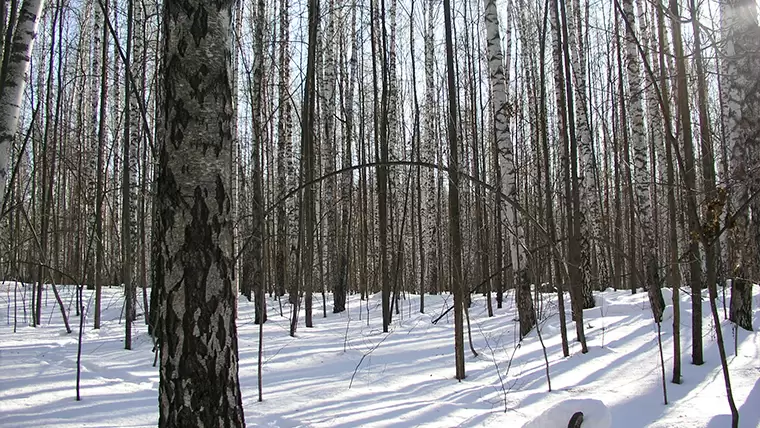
[365,356]
[546,357]
[469,331]
[472,290]
[496,365]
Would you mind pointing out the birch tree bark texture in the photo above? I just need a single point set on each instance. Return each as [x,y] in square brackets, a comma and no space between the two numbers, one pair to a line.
[641,163]
[199,352]
[13,86]
[741,56]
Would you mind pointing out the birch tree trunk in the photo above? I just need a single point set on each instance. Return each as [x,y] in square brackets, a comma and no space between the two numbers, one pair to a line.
[505,160]
[741,56]
[590,224]
[199,352]
[427,146]
[328,149]
[561,74]
[347,182]
[641,164]
[15,80]
[498,86]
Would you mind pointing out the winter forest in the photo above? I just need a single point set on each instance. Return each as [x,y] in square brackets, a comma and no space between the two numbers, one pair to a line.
[343,213]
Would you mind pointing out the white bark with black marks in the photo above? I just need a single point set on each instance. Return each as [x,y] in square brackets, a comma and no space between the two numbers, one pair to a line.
[590,221]
[428,154]
[642,178]
[15,80]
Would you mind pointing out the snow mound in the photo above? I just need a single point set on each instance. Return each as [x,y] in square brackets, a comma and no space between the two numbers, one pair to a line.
[595,414]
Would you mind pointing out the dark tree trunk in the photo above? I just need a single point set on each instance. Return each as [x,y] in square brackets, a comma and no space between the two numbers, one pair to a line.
[690,180]
[126,217]
[199,354]
[100,170]
[673,270]
[308,164]
[454,229]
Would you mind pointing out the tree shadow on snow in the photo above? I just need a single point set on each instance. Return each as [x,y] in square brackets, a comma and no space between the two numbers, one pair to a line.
[749,413]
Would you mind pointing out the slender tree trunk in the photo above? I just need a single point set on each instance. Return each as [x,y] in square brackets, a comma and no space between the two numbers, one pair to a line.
[428,154]
[329,199]
[690,182]
[284,154]
[651,279]
[417,136]
[255,277]
[454,228]
[49,146]
[589,223]
[126,205]
[308,162]
[382,156]
[550,224]
[509,163]
[674,277]
[100,169]
[565,124]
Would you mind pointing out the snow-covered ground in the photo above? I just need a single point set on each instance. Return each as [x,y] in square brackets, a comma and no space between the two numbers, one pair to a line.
[402,379]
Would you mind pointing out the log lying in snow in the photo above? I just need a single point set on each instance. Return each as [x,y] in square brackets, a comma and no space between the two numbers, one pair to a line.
[581,413]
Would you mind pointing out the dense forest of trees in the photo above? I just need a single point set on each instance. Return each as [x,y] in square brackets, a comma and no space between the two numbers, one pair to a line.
[196,151]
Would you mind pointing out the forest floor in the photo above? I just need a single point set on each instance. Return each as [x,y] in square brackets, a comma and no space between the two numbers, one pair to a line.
[344,372]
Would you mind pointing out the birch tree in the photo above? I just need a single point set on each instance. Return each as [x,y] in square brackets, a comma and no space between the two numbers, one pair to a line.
[561,95]
[589,223]
[428,154]
[505,160]
[13,86]
[741,56]
[328,147]
[641,162]
[199,353]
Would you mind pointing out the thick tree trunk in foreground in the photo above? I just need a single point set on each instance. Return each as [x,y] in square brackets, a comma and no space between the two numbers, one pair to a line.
[13,86]
[741,54]
[199,356]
